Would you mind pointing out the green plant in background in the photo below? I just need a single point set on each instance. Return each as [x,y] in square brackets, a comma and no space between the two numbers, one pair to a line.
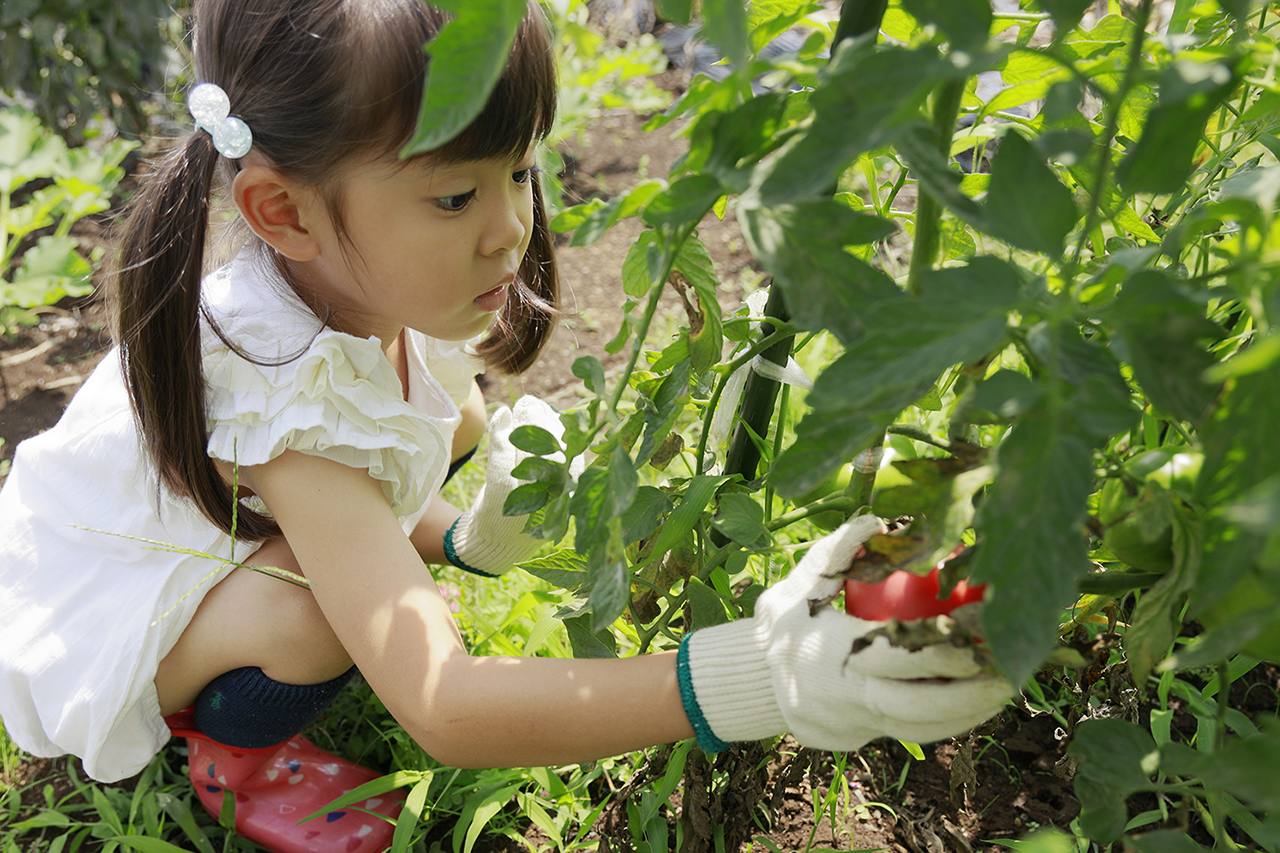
[1075,354]
[79,59]
[70,185]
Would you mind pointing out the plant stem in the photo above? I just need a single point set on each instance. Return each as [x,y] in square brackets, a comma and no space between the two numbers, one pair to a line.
[1108,136]
[759,396]
[650,309]
[734,366]
[928,236]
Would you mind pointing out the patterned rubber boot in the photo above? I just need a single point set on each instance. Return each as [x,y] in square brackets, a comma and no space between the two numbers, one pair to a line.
[278,786]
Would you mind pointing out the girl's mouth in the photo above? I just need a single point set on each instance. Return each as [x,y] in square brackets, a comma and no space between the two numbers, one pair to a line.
[492,300]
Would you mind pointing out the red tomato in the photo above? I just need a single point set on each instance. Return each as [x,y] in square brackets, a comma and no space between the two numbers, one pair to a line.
[905,596]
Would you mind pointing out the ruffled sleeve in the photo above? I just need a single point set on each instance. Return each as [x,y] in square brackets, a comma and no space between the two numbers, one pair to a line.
[340,400]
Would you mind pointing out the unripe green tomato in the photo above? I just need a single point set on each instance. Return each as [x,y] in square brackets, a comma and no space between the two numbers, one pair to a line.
[1248,594]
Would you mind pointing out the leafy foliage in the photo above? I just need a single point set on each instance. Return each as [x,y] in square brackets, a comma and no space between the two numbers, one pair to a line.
[1102,293]
[75,183]
[76,59]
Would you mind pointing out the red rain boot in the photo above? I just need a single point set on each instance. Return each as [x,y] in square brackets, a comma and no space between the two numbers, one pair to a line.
[278,786]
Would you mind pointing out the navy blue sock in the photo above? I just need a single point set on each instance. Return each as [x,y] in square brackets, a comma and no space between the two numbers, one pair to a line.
[246,709]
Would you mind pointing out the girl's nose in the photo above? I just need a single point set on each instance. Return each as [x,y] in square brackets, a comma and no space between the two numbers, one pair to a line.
[508,224]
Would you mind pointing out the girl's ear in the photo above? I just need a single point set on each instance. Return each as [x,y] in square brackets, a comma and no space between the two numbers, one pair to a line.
[277,209]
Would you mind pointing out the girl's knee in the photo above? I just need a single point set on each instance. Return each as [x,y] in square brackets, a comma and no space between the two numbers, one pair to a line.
[303,647]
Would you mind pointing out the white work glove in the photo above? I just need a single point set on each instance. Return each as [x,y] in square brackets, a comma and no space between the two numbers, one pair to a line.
[483,540]
[785,670]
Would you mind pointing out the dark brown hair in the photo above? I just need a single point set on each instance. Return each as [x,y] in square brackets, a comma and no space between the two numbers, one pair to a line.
[321,84]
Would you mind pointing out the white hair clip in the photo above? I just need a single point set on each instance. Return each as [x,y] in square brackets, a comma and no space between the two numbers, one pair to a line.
[211,109]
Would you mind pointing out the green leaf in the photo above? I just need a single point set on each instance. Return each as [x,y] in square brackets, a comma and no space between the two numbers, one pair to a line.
[610,580]
[642,265]
[729,145]
[564,568]
[147,845]
[678,11]
[1162,158]
[1158,616]
[686,201]
[587,643]
[1115,759]
[535,439]
[909,342]
[1066,14]
[50,270]
[1003,396]
[870,97]
[935,176]
[1027,206]
[1030,545]
[527,498]
[1240,453]
[685,516]
[1163,841]
[479,809]
[27,150]
[725,26]
[741,519]
[1166,339]
[589,369]
[1245,768]
[803,246]
[705,607]
[646,512]
[662,409]
[590,221]
[467,58]
[706,329]
[966,23]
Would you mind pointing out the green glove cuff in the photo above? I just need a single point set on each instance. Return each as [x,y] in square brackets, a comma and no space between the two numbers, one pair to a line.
[707,739]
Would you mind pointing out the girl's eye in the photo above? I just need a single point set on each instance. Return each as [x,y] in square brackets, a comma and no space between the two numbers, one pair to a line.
[524,175]
[455,203]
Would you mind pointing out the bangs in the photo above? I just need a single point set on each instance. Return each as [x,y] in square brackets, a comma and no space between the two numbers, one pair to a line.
[520,110]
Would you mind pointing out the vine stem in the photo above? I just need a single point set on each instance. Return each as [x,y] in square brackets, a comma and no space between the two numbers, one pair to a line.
[928,236]
[734,366]
[1104,141]
[650,309]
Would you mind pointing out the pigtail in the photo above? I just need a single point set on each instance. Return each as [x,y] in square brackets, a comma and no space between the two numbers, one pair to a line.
[157,323]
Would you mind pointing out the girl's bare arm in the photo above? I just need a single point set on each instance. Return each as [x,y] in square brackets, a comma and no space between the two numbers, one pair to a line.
[382,603]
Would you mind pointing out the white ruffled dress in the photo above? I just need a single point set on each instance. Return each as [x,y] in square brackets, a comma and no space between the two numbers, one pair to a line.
[86,614]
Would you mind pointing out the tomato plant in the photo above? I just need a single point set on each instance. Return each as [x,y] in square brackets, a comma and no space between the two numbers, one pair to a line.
[1083,274]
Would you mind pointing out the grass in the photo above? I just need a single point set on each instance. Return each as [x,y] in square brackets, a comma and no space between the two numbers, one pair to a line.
[49,806]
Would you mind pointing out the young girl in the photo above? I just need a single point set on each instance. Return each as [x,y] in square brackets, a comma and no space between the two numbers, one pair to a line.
[300,407]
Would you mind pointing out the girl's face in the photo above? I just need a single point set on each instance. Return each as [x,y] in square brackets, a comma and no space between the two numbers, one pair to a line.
[434,247]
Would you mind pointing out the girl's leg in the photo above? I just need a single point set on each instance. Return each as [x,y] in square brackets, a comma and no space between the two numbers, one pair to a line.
[252,620]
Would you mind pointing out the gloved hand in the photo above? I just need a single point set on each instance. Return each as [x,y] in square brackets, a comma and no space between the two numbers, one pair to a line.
[483,540]
[787,670]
